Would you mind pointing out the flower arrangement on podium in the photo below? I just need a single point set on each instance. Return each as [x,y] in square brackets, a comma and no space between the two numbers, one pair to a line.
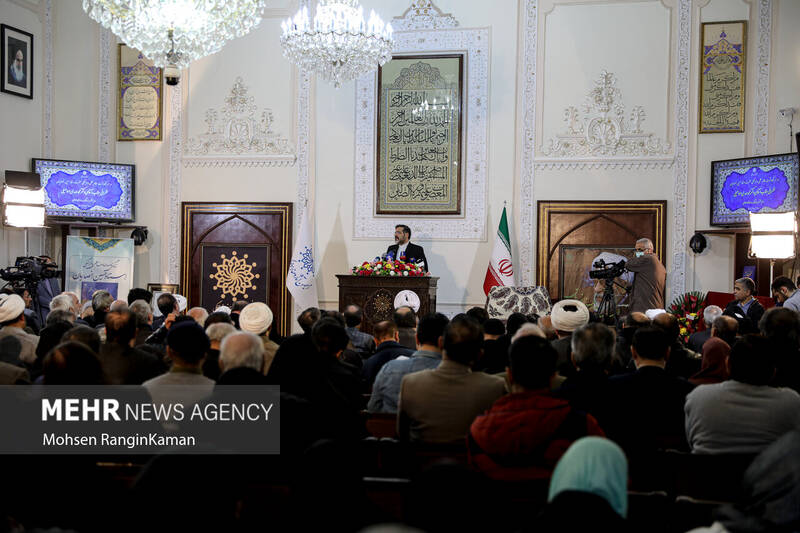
[688,308]
[388,267]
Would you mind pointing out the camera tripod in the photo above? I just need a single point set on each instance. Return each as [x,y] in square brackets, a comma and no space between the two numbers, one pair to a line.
[607,309]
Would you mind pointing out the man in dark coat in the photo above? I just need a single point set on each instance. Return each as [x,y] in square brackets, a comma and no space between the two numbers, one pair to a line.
[389,348]
[650,278]
[403,249]
[745,308]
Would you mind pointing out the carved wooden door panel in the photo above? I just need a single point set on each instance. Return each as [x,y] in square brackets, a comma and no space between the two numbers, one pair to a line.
[571,234]
[237,251]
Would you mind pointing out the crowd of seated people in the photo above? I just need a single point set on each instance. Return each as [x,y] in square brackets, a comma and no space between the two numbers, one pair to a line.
[561,397]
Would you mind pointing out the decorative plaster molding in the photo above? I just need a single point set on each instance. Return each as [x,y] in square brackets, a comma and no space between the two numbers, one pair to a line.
[527,144]
[303,145]
[423,15]
[677,275]
[235,130]
[543,163]
[761,107]
[103,141]
[172,221]
[237,162]
[603,131]
[472,225]
[47,94]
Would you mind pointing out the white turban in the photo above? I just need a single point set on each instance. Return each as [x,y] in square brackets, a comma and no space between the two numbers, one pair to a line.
[569,315]
[11,306]
[223,309]
[407,299]
[181,302]
[652,313]
[255,318]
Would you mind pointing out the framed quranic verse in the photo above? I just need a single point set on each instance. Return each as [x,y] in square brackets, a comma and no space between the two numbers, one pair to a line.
[419,135]
[722,64]
[139,93]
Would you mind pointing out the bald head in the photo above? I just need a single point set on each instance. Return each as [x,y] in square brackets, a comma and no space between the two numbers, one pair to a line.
[199,314]
[241,349]
[636,319]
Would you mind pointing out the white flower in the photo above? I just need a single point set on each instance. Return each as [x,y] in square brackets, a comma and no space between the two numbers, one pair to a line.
[391,272]
[405,272]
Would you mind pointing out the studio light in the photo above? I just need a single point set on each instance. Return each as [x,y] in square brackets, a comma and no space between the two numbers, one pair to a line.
[773,237]
[23,200]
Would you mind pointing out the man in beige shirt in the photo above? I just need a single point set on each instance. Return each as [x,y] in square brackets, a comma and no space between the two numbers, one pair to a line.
[438,405]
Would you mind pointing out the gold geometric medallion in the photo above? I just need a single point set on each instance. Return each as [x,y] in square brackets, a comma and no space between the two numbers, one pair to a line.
[234,276]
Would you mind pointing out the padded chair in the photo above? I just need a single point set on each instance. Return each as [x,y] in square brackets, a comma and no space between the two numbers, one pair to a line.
[382,425]
[708,477]
[648,511]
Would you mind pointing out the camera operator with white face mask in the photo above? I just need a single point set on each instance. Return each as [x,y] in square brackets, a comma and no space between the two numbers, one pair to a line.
[649,280]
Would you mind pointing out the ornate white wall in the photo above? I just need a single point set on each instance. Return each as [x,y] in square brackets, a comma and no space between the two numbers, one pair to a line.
[544,56]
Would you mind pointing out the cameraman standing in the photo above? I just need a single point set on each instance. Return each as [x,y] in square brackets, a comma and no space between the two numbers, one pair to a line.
[649,280]
[47,289]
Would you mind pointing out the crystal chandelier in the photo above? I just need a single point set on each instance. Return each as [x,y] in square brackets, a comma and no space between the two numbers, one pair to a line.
[173,33]
[339,45]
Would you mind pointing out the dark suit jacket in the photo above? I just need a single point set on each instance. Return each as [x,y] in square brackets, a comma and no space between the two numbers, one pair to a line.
[414,253]
[747,323]
[386,351]
[47,289]
[648,410]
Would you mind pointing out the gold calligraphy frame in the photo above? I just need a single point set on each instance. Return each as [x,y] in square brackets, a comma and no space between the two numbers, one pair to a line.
[154,133]
[383,144]
[704,55]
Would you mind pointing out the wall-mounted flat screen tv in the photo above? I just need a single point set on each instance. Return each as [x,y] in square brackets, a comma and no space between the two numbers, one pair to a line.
[81,190]
[765,184]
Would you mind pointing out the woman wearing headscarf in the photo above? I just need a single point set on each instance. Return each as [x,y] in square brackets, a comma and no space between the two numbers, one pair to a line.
[771,493]
[588,490]
[712,367]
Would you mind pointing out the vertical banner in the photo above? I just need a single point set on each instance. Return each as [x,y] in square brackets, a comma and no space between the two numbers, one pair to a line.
[95,264]
[140,92]
[722,83]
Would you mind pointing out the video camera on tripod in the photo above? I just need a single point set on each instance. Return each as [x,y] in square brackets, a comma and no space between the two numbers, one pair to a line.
[29,271]
[607,270]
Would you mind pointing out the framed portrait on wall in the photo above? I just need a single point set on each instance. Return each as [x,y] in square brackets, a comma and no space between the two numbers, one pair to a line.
[722,76]
[419,160]
[17,61]
[140,91]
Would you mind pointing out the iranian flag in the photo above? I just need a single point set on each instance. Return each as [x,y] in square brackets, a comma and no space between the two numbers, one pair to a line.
[500,271]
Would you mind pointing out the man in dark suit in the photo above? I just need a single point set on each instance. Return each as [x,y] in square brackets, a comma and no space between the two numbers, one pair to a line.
[745,308]
[403,249]
[649,402]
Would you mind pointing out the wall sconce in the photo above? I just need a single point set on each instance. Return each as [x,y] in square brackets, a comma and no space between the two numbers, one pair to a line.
[23,200]
[772,237]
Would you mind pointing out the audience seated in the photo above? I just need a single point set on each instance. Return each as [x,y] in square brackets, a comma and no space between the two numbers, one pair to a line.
[12,323]
[257,318]
[592,354]
[524,433]
[745,308]
[101,303]
[713,368]
[649,402]
[187,345]
[49,338]
[479,314]
[588,490]
[198,314]
[744,414]
[123,364]
[682,362]
[387,336]
[782,327]
[494,359]
[241,358]
[236,310]
[216,332]
[72,363]
[296,354]
[696,339]
[439,405]
[785,293]
[545,323]
[168,306]
[770,493]
[137,293]
[386,389]
[623,360]
[84,334]
[144,321]
[118,305]
[363,343]
[567,316]
[13,374]
[406,321]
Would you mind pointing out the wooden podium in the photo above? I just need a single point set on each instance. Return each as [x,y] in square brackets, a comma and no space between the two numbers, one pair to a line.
[375,295]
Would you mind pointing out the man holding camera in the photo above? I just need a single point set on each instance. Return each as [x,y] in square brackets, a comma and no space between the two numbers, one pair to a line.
[649,280]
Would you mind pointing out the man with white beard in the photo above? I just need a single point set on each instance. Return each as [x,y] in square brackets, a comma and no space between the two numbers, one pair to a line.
[16,72]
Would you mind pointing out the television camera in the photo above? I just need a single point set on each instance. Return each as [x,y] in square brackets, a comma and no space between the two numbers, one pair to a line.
[608,272]
[27,272]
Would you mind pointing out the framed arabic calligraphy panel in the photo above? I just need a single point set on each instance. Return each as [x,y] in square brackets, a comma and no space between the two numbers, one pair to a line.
[722,78]
[139,92]
[419,156]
